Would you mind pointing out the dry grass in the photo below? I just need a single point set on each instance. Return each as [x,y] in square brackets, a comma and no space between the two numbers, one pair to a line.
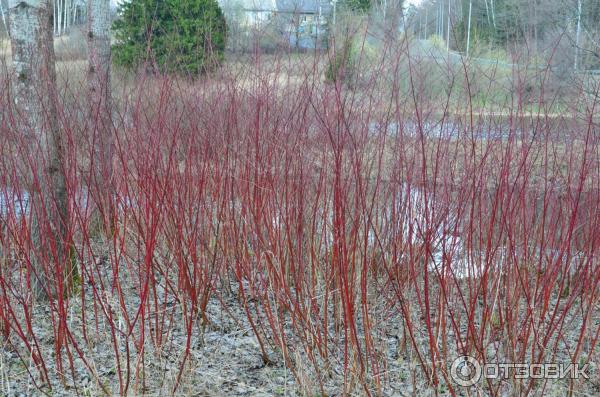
[5,51]
[71,47]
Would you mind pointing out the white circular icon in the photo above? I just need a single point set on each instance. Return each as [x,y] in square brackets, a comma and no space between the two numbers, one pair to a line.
[465,371]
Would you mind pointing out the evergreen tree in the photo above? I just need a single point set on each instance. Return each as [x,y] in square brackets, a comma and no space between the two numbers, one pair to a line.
[172,36]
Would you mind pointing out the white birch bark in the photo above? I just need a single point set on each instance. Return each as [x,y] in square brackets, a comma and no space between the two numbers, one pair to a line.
[35,98]
[577,34]
[3,14]
[65,16]
[54,28]
[68,14]
[99,87]
[469,27]
[448,31]
[58,15]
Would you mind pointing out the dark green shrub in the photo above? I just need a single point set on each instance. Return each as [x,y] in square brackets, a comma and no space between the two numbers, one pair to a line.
[171,36]
[351,17]
[342,67]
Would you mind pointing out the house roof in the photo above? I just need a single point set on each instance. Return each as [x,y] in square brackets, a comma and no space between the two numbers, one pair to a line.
[283,6]
[263,5]
[303,6]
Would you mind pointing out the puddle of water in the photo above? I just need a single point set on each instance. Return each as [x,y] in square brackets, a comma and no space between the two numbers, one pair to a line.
[448,130]
[17,203]
[13,203]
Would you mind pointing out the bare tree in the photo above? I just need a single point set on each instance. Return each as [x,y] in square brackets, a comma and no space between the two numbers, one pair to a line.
[577,34]
[65,12]
[99,86]
[392,16]
[469,27]
[35,99]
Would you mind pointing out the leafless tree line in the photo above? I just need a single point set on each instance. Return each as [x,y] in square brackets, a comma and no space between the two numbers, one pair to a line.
[65,14]
[533,25]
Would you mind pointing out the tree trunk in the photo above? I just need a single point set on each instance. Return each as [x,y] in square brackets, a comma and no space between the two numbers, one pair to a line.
[578,32]
[99,86]
[392,18]
[448,30]
[54,8]
[66,17]
[3,14]
[469,27]
[35,98]
[58,16]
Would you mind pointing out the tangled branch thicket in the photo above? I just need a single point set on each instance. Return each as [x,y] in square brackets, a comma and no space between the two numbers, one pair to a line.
[355,238]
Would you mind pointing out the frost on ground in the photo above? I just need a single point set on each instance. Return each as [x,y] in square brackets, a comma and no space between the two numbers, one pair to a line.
[224,356]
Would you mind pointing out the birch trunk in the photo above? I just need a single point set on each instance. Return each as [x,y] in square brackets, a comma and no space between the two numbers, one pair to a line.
[58,16]
[35,98]
[54,30]
[469,27]
[578,32]
[448,31]
[66,23]
[3,14]
[99,86]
